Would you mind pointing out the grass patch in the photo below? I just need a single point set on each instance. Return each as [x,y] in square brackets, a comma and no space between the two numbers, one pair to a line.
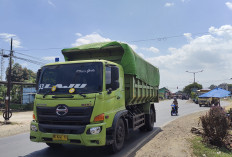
[200,149]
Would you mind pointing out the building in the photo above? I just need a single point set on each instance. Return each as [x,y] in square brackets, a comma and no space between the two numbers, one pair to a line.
[164,93]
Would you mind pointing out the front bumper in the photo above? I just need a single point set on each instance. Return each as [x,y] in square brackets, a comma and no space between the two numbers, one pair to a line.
[202,102]
[78,139]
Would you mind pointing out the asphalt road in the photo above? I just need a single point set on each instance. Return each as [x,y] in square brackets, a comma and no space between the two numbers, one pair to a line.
[21,146]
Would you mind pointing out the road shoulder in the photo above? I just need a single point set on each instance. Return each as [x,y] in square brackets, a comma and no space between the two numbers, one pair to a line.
[173,140]
[19,123]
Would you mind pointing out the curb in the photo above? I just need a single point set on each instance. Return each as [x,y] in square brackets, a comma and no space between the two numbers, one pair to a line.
[132,152]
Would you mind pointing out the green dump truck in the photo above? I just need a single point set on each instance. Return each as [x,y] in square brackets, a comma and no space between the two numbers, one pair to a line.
[100,93]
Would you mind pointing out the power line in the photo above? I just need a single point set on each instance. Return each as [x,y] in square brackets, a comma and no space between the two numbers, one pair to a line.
[167,37]
[29,60]
[41,49]
[30,56]
[164,38]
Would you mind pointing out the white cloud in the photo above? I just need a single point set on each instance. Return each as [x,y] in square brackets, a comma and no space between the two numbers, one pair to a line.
[229,5]
[25,64]
[185,1]
[169,4]
[134,47]
[141,55]
[7,38]
[151,49]
[188,36]
[50,58]
[51,3]
[212,53]
[79,34]
[91,38]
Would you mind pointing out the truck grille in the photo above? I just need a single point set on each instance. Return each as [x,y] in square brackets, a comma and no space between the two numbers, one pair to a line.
[75,116]
[73,122]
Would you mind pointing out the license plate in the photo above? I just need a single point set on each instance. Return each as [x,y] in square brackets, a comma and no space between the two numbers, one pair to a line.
[60,137]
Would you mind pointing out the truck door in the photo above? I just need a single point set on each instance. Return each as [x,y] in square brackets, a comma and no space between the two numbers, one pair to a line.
[112,96]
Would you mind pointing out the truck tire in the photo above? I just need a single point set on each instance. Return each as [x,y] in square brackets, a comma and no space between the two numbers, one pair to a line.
[54,145]
[149,120]
[200,105]
[119,137]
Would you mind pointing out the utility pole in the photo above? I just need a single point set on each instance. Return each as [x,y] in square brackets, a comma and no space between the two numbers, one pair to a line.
[7,114]
[2,64]
[194,75]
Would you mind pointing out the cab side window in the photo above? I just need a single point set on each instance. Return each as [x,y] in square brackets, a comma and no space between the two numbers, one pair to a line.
[112,77]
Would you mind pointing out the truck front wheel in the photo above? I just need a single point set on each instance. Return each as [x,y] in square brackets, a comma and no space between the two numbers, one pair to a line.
[119,136]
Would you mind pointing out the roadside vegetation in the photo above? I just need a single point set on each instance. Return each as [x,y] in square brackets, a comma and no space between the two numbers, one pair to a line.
[201,149]
[19,74]
[215,135]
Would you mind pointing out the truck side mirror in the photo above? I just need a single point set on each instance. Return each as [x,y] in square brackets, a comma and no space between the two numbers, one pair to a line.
[37,79]
[115,77]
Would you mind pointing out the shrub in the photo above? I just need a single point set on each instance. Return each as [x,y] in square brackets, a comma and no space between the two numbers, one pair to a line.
[20,107]
[215,126]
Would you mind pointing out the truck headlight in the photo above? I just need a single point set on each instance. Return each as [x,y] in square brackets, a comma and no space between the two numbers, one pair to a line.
[94,130]
[34,128]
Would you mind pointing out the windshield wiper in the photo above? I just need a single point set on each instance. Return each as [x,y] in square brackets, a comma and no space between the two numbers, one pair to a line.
[48,92]
[81,94]
[57,96]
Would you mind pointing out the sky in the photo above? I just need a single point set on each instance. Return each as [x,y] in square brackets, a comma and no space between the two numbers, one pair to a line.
[174,35]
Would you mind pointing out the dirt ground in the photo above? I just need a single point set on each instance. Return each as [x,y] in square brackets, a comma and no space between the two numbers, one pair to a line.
[173,140]
[20,123]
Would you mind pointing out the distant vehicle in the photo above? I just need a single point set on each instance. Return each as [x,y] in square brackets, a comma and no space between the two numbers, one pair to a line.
[174,110]
[205,101]
[185,97]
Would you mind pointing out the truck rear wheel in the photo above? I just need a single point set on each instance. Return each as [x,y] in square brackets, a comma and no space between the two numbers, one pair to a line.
[149,120]
[119,137]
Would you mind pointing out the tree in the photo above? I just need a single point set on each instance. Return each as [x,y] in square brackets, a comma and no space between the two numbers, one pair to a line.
[19,74]
[190,87]
[2,92]
[212,86]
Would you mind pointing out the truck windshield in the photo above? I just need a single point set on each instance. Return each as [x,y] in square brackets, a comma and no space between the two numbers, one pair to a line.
[84,77]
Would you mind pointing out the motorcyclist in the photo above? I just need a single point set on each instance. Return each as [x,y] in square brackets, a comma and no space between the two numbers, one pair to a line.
[175,102]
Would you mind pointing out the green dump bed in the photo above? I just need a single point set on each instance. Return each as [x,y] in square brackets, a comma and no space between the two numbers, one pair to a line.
[141,78]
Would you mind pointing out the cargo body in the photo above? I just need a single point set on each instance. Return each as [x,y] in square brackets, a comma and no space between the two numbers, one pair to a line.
[100,93]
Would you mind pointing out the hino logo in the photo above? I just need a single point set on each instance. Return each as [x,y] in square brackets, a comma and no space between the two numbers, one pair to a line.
[61,110]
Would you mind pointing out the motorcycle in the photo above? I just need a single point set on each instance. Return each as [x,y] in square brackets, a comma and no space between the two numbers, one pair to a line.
[174,110]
